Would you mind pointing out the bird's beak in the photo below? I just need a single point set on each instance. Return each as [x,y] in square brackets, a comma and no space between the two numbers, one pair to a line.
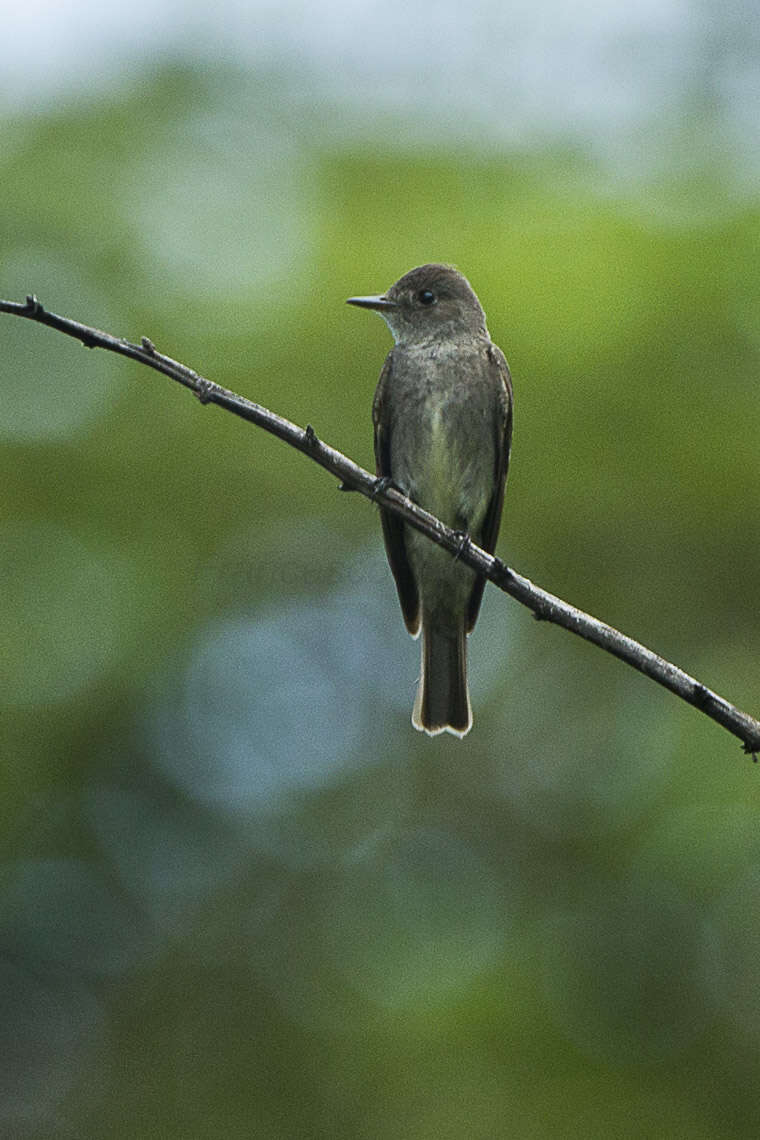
[379,303]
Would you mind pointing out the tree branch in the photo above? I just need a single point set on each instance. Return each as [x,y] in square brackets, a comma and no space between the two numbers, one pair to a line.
[545,606]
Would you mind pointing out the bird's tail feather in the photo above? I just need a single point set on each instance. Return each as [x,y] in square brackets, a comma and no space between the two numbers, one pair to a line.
[443,702]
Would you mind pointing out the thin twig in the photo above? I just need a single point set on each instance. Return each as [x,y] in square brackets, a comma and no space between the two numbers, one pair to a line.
[545,606]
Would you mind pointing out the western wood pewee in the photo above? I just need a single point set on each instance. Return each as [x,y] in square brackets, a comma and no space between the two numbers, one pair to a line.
[443,427]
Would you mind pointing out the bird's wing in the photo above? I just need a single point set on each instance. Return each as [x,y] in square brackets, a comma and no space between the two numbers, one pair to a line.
[393,527]
[503,420]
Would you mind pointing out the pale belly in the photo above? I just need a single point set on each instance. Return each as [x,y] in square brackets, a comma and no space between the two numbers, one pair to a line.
[448,470]
[447,466]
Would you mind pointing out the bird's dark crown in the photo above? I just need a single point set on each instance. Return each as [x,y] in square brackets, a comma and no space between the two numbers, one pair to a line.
[436,276]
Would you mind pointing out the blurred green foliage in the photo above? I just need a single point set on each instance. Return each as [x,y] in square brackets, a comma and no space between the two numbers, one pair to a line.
[239,896]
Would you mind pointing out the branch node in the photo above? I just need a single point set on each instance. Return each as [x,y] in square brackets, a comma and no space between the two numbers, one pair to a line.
[345,487]
[463,543]
[147,345]
[33,306]
[204,389]
[312,439]
[502,576]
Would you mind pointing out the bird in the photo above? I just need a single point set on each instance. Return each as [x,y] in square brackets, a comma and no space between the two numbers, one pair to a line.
[442,417]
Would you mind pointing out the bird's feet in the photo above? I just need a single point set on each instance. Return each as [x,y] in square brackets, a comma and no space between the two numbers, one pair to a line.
[384,483]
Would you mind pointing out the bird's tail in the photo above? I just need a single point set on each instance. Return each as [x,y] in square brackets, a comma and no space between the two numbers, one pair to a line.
[443,702]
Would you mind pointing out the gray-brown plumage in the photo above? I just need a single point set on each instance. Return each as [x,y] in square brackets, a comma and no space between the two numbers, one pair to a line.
[443,426]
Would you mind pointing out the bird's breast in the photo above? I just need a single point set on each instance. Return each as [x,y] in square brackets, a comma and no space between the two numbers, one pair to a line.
[443,449]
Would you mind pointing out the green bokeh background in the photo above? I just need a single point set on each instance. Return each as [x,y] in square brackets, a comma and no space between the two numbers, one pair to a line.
[239,896]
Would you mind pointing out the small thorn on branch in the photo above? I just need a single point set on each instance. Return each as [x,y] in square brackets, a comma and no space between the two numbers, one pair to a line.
[147,345]
[312,439]
[33,306]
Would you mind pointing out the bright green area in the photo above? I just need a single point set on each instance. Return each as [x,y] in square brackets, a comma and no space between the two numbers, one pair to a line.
[548,930]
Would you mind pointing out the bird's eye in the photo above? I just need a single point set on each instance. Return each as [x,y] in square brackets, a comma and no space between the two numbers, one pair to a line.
[426,297]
